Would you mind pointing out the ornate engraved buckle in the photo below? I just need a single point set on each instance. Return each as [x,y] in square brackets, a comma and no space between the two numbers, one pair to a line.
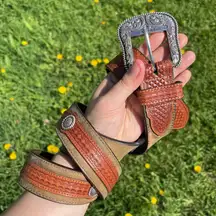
[143,25]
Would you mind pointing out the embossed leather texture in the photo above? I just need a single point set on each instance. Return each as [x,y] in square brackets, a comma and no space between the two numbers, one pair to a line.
[161,98]
[55,182]
[97,158]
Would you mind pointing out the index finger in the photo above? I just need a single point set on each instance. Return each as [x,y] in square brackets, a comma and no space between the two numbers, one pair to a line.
[156,40]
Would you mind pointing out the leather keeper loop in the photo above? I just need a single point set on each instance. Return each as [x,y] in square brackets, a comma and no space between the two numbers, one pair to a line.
[55,182]
[160,95]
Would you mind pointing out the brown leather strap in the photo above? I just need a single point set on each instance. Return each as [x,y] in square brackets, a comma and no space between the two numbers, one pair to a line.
[182,116]
[161,98]
[89,150]
[161,94]
[55,182]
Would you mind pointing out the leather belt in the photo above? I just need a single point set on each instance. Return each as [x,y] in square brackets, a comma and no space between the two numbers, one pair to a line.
[98,156]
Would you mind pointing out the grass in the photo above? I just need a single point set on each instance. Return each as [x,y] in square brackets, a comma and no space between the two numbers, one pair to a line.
[33,75]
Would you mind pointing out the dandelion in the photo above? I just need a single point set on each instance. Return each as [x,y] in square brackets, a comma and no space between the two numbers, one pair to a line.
[197,169]
[62,89]
[147,166]
[94,62]
[13,155]
[11,99]
[96,1]
[99,61]
[106,60]
[24,43]
[63,110]
[128,214]
[150,1]
[69,84]
[161,192]
[7,146]
[3,70]
[182,51]
[79,58]
[153,200]
[103,22]
[152,11]
[60,56]
[52,149]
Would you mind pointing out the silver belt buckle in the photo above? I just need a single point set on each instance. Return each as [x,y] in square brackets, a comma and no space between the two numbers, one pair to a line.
[143,25]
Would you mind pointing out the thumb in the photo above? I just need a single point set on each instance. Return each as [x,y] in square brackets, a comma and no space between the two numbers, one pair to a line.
[128,84]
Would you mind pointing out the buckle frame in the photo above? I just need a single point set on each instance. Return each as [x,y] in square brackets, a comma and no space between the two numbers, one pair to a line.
[143,25]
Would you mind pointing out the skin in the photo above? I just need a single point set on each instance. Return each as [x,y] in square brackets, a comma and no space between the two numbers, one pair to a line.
[115,112]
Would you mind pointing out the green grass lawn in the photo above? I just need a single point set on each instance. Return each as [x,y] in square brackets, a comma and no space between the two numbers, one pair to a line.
[33,76]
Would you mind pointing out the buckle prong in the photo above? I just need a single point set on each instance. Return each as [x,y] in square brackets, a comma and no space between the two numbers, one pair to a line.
[144,25]
[151,57]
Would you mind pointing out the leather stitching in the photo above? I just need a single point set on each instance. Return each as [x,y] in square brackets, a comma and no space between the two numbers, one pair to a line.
[53,183]
[94,156]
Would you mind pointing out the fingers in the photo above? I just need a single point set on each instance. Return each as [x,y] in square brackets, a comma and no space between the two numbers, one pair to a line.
[128,84]
[183,77]
[187,60]
[162,52]
[155,41]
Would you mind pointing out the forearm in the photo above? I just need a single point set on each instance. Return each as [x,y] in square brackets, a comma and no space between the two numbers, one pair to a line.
[29,203]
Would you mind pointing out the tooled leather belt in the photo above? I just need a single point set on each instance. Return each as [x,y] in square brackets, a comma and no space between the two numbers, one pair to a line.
[98,156]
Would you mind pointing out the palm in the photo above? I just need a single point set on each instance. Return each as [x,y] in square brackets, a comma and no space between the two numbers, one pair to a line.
[123,120]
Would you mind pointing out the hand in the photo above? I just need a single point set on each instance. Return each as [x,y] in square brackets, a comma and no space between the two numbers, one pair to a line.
[114,110]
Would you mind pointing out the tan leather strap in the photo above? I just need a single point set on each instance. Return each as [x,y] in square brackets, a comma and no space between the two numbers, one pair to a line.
[92,152]
[55,182]
[89,150]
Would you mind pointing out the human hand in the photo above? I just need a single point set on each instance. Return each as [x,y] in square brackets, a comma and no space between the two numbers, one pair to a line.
[114,110]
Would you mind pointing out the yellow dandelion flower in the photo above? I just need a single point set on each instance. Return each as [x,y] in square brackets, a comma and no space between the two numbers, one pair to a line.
[60,56]
[161,192]
[7,146]
[147,166]
[79,58]
[69,84]
[94,62]
[24,43]
[62,89]
[106,60]
[96,1]
[52,149]
[182,51]
[99,60]
[150,1]
[197,169]
[153,200]
[103,22]
[11,99]
[3,70]
[152,11]
[128,214]
[13,155]
[63,110]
